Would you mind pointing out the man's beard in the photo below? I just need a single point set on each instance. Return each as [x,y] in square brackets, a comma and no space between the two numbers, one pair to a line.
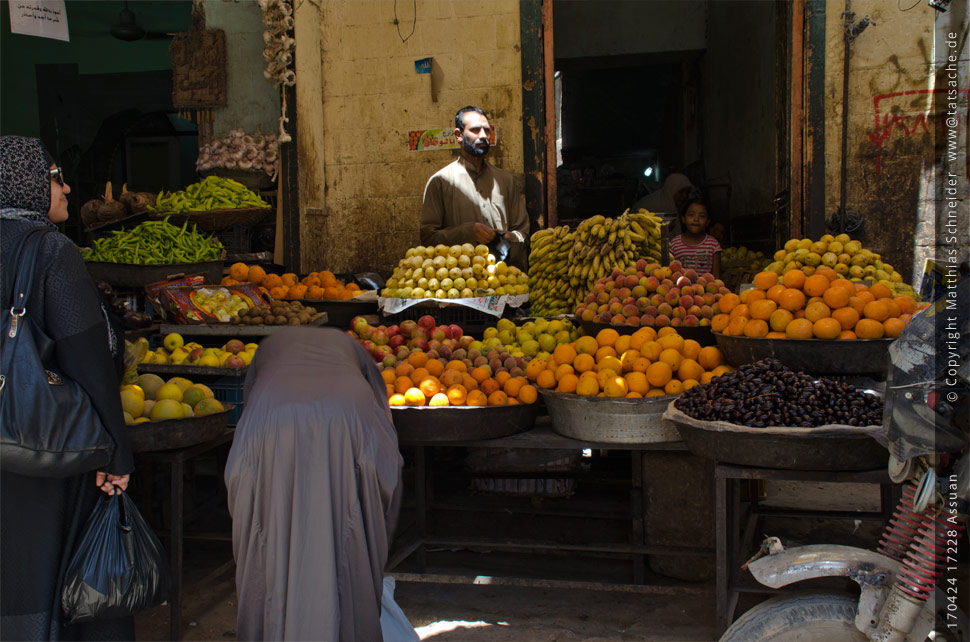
[472,149]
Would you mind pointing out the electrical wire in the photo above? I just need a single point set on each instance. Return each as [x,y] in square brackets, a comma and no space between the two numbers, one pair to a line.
[414,21]
[845,222]
[910,8]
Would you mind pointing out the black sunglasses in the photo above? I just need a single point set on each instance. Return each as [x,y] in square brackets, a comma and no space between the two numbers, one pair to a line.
[57,174]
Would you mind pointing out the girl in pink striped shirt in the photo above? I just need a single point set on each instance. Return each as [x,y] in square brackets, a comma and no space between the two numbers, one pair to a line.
[695,248]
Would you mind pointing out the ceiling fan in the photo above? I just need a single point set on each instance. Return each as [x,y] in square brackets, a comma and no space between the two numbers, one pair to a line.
[129,30]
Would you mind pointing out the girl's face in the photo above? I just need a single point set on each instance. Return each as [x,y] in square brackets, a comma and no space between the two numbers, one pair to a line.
[696,219]
[59,191]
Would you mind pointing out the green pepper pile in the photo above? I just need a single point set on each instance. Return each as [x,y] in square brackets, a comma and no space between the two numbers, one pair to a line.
[211,193]
[155,243]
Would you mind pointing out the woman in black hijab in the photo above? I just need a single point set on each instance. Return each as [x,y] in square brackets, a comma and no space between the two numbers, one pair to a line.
[41,518]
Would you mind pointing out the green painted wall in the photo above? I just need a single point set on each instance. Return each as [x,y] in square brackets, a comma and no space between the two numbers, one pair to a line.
[92,48]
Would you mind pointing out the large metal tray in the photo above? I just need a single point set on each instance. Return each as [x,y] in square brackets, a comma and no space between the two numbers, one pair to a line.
[814,356]
[227,330]
[137,275]
[615,421]
[340,313]
[799,449]
[462,423]
[700,334]
[178,433]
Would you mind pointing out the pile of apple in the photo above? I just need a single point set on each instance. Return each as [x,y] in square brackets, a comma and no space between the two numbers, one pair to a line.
[536,338]
[390,345]
[174,350]
[649,294]
[400,339]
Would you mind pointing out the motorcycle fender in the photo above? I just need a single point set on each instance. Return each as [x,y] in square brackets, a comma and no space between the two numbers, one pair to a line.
[867,568]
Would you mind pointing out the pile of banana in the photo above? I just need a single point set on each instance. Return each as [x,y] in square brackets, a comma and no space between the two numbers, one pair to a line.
[564,265]
[604,244]
[550,293]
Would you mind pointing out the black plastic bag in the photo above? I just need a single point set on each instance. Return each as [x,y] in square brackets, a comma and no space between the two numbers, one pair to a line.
[119,566]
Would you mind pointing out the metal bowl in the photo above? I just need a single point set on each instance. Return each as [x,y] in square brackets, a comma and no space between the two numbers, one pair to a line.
[825,449]
[613,421]
[462,423]
[814,356]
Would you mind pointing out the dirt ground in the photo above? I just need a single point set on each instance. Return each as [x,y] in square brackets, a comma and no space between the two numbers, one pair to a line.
[470,613]
[465,612]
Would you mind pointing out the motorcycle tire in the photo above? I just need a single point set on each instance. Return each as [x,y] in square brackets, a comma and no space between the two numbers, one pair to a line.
[814,617]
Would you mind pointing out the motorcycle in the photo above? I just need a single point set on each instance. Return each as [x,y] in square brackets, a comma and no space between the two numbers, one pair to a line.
[910,588]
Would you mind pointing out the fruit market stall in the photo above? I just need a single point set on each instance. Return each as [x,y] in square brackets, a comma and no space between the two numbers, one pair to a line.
[447,388]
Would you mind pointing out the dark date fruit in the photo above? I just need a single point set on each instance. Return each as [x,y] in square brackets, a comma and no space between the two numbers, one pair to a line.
[767,393]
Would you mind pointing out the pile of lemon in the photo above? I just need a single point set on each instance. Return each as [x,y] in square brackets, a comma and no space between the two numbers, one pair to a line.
[844,255]
[647,363]
[154,399]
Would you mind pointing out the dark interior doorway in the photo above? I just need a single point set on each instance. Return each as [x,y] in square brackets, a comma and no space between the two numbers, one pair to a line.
[118,127]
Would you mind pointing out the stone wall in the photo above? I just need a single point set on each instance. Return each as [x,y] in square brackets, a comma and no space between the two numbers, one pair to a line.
[357,99]
[895,124]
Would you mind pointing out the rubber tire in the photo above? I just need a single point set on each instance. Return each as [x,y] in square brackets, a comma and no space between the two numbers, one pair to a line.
[813,617]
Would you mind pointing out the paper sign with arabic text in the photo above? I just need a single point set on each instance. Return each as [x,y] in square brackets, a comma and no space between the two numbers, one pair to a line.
[42,18]
[426,140]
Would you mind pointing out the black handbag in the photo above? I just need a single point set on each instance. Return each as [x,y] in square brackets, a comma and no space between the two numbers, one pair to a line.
[48,425]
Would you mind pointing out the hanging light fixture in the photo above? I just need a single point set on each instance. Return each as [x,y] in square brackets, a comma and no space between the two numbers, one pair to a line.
[127,29]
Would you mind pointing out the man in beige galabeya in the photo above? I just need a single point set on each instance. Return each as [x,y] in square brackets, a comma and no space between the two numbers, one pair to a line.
[470,200]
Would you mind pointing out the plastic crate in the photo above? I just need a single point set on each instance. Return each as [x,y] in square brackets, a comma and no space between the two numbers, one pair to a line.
[237,239]
[470,320]
[538,460]
[229,389]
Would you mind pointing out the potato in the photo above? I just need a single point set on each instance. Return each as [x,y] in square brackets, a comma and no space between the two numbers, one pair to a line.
[294,321]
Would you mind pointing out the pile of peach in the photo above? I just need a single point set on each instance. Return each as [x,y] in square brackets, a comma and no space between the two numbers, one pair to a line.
[646,363]
[820,306]
[424,381]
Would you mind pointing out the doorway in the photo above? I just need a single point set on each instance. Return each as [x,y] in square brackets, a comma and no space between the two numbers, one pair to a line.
[659,86]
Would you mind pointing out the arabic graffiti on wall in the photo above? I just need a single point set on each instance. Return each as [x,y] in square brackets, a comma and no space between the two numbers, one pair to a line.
[889,122]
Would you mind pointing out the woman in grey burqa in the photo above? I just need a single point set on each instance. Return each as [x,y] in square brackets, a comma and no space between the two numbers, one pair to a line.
[314,489]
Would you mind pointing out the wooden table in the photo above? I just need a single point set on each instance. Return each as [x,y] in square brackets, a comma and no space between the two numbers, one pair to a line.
[542,437]
[177,459]
[736,530]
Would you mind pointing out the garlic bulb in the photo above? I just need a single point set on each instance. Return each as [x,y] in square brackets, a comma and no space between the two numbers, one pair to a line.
[278,53]
[238,150]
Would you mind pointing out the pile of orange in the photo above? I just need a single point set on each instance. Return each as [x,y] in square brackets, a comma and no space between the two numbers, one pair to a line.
[315,285]
[821,306]
[646,363]
[424,381]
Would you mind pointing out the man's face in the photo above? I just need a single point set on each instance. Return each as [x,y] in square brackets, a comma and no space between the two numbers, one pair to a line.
[474,138]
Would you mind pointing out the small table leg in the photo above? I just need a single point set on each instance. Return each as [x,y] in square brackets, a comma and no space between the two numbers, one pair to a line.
[420,504]
[638,503]
[721,534]
[175,557]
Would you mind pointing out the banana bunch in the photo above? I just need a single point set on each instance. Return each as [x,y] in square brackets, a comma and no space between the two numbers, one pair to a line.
[604,244]
[549,292]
